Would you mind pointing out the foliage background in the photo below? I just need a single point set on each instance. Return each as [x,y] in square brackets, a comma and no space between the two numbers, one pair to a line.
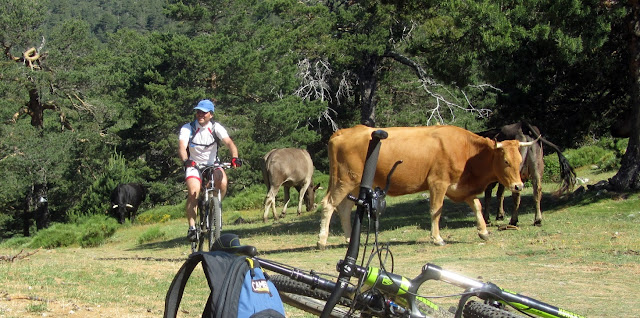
[124,76]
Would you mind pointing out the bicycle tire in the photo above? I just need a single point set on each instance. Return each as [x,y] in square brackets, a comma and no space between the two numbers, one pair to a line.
[474,309]
[311,300]
[203,224]
[215,217]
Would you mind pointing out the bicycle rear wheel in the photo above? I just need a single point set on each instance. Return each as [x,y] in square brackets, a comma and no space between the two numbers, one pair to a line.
[474,309]
[311,300]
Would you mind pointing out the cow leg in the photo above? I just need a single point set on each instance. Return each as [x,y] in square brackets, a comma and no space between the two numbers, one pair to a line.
[500,196]
[270,202]
[486,212]
[475,205]
[287,198]
[516,206]
[436,199]
[302,192]
[328,206]
[537,196]
[344,211]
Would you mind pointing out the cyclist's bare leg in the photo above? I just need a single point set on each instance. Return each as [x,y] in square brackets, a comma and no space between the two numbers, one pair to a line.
[220,181]
[193,189]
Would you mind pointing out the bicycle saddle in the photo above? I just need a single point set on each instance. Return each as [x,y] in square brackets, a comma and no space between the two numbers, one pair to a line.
[230,243]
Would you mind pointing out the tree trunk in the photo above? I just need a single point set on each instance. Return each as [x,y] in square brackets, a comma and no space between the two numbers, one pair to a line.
[628,177]
[368,85]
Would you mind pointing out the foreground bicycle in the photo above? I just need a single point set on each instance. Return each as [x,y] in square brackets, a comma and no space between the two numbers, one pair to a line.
[209,208]
[381,293]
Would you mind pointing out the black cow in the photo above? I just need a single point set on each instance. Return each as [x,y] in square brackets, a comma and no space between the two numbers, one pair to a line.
[126,199]
[531,169]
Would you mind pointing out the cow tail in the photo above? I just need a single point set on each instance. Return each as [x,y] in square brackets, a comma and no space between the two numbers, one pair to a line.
[567,174]
[265,174]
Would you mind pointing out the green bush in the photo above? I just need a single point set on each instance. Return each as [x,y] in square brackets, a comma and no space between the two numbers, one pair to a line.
[16,241]
[161,214]
[551,168]
[604,155]
[251,197]
[58,235]
[151,234]
[96,230]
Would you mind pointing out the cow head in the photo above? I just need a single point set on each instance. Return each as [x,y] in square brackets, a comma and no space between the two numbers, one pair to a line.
[121,211]
[310,197]
[507,161]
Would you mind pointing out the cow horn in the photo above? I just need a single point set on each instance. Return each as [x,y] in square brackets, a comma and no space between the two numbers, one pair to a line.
[529,143]
[115,206]
[128,205]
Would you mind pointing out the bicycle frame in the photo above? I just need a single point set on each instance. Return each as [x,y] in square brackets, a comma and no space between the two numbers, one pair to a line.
[207,191]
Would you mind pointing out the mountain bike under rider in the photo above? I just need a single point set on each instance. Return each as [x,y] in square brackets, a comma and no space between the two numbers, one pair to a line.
[198,144]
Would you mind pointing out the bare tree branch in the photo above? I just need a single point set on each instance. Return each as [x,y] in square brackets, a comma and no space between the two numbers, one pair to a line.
[428,84]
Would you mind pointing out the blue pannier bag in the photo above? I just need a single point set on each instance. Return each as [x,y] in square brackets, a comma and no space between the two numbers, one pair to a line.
[239,287]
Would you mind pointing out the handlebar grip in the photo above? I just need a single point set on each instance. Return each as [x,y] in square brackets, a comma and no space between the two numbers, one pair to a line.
[372,158]
[380,134]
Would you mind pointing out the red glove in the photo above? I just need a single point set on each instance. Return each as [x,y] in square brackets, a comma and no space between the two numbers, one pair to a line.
[189,163]
[235,162]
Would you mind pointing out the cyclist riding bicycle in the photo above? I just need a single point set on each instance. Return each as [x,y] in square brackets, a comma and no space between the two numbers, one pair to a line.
[198,144]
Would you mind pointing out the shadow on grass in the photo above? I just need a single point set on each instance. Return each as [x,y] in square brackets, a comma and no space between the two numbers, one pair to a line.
[409,213]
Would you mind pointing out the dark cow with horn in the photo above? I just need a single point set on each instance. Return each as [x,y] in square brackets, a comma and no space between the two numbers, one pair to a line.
[532,169]
[445,160]
[126,199]
[288,167]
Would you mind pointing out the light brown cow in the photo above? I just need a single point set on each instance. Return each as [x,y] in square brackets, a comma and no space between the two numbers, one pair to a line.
[446,160]
[288,167]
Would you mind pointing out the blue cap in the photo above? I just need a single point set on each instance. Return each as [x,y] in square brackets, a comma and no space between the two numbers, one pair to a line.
[205,105]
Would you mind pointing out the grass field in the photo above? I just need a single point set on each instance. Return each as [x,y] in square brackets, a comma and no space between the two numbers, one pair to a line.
[585,258]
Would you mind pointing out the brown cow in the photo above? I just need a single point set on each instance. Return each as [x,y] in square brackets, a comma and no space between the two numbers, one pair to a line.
[446,160]
[288,167]
[532,169]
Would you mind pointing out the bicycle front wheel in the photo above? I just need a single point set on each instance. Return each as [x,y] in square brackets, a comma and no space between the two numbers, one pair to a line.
[215,220]
[203,207]
[474,309]
[304,297]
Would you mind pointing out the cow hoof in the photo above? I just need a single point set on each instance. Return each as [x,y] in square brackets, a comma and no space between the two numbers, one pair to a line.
[321,246]
[514,223]
[499,217]
[439,243]
[537,223]
[484,236]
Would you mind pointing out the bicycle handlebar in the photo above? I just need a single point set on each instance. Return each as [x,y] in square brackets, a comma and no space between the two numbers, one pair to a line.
[223,165]
[347,268]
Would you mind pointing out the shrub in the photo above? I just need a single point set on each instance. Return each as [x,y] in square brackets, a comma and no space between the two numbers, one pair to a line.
[604,155]
[161,214]
[251,197]
[96,230]
[15,242]
[58,235]
[151,234]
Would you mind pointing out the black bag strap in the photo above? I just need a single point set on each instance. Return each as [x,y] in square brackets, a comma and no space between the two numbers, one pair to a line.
[227,295]
[224,273]
[223,268]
